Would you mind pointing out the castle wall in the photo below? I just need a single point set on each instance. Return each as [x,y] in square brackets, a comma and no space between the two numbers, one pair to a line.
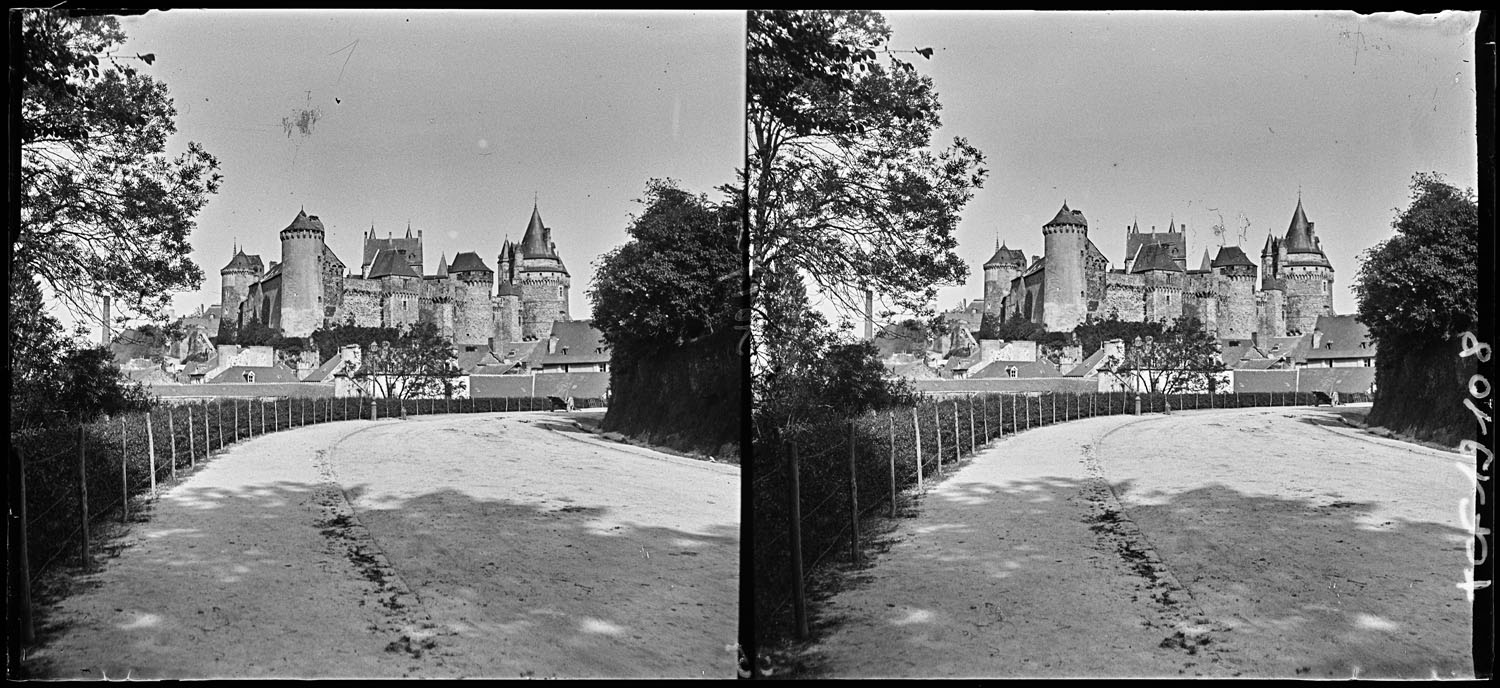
[333,292]
[473,313]
[507,313]
[361,302]
[399,303]
[996,287]
[1270,312]
[544,300]
[1237,309]
[1163,296]
[1307,297]
[1124,297]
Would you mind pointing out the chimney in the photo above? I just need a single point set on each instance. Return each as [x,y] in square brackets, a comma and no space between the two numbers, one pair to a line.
[104,328]
[551,344]
[869,315]
[1317,338]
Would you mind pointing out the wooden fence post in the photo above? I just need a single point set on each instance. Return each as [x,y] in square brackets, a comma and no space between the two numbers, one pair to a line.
[972,447]
[192,452]
[218,421]
[236,403]
[151,452]
[937,429]
[916,426]
[172,435]
[124,477]
[83,500]
[799,598]
[984,406]
[958,447]
[893,463]
[20,561]
[853,500]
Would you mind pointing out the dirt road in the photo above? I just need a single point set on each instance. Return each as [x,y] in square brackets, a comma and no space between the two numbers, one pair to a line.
[489,545]
[1255,543]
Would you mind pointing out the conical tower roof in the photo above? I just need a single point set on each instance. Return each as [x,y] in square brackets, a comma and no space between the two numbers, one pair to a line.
[1006,257]
[1207,263]
[1299,237]
[1231,255]
[243,263]
[305,221]
[1068,217]
[442,268]
[534,243]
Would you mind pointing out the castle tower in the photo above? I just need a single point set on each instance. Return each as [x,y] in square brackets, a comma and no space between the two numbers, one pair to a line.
[409,245]
[1237,276]
[543,279]
[301,276]
[473,312]
[235,279]
[1306,275]
[400,288]
[999,271]
[1065,239]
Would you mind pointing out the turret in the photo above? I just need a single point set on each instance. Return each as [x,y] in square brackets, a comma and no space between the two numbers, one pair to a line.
[999,271]
[301,277]
[543,278]
[1065,239]
[235,280]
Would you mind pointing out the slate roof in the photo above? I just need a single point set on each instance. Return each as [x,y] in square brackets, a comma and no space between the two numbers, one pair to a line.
[305,221]
[1342,335]
[1025,369]
[1155,257]
[577,343]
[1068,217]
[324,372]
[1006,257]
[468,261]
[1086,366]
[534,243]
[244,263]
[1231,255]
[389,262]
[236,374]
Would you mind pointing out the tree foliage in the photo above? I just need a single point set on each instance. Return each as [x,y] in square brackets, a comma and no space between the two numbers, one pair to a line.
[843,183]
[327,341]
[104,209]
[1185,358]
[419,363]
[53,377]
[1093,334]
[677,279]
[1423,283]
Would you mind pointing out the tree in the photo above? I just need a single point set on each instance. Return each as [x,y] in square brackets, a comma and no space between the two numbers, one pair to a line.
[418,363]
[669,303]
[677,279]
[1093,334]
[1424,282]
[843,184]
[1017,328]
[1185,358]
[52,376]
[105,211]
[1418,292]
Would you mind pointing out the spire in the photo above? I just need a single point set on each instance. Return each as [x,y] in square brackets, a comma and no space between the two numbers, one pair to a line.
[1172,224]
[1299,233]
[408,229]
[1207,264]
[534,243]
[442,268]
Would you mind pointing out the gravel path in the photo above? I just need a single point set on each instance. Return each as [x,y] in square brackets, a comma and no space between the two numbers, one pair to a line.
[488,545]
[1255,543]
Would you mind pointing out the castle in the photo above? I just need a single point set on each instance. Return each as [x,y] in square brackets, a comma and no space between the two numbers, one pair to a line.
[1073,282]
[470,303]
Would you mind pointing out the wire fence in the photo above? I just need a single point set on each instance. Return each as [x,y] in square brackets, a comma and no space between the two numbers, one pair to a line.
[813,488]
[65,479]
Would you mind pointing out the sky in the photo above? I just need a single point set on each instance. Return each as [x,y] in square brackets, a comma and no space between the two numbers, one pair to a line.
[452,121]
[1152,117]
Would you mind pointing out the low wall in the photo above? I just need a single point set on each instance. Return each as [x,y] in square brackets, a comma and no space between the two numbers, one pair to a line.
[579,385]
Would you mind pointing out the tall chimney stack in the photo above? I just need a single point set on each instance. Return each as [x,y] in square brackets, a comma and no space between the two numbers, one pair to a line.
[104,325]
[869,315]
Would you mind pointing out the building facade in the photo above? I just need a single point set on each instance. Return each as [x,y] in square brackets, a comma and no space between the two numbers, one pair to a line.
[310,288]
[1232,296]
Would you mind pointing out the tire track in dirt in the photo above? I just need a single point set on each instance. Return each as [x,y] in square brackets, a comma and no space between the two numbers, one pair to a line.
[404,617]
[1192,631]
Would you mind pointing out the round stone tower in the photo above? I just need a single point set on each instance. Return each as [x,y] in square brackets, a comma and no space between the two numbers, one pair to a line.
[999,270]
[1065,238]
[236,278]
[1237,276]
[473,312]
[544,281]
[301,279]
[1306,274]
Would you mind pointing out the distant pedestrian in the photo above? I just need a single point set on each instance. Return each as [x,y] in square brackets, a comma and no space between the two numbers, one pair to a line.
[569,402]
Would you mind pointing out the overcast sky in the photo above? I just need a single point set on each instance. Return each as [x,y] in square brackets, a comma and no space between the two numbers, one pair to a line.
[452,121]
[1150,116]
